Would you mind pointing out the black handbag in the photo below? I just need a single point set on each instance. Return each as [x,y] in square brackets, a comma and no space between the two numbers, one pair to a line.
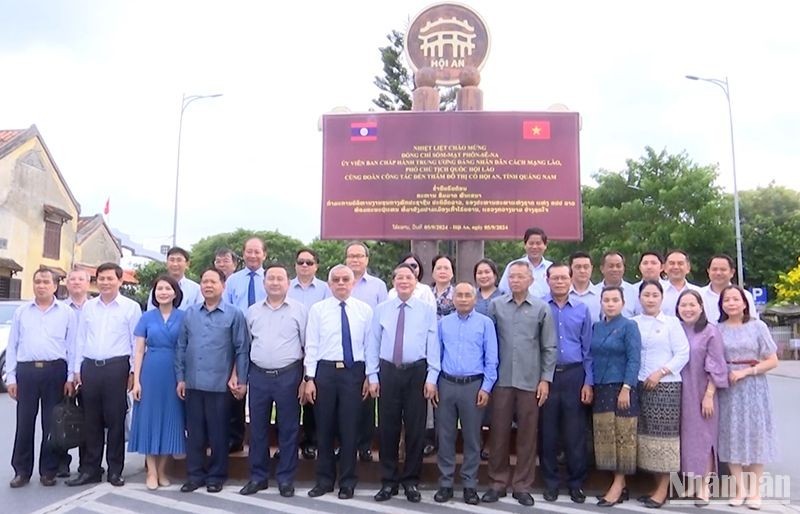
[66,425]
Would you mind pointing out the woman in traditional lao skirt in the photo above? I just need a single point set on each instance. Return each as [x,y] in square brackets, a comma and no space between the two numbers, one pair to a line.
[616,351]
[665,351]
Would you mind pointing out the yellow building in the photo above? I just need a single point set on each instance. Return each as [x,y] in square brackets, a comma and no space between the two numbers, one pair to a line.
[38,213]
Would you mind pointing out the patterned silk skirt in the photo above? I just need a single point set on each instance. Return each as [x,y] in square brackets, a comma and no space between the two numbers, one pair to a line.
[614,430]
[659,441]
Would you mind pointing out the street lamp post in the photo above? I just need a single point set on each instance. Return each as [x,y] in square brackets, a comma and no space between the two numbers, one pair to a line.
[185,101]
[723,84]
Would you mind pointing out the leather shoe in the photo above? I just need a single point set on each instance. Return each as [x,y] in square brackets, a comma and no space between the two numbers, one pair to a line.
[650,503]
[214,488]
[386,493]
[602,502]
[365,455]
[484,454]
[443,494]
[286,490]
[492,495]
[277,455]
[63,471]
[576,495]
[47,480]
[412,494]
[83,479]
[471,496]
[116,480]
[19,481]
[309,453]
[345,493]
[550,495]
[428,450]
[188,487]
[252,487]
[319,490]
[524,499]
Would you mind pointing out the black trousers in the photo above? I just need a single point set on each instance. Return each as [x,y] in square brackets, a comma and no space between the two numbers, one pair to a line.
[238,420]
[563,425]
[366,428]
[337,408]
[309,427]
[105,403]
[206,426]
[402,404]
[37,383]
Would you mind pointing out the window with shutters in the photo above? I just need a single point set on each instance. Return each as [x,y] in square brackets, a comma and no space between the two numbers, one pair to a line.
[52,239]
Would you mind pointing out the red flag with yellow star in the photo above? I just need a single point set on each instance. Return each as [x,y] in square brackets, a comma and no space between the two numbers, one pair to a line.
[532,129]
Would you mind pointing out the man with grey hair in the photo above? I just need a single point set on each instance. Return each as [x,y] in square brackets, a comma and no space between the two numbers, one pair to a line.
[336,335]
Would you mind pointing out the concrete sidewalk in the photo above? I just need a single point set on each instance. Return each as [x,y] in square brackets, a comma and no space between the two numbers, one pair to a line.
[787,369]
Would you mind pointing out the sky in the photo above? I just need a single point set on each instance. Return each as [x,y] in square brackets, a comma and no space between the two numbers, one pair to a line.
[103,81]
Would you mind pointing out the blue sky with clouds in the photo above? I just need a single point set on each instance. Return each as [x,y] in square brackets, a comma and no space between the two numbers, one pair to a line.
[103,82]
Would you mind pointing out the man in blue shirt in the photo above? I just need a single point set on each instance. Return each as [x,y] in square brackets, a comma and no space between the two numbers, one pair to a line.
[564,414]
[469,370]
[403,347]
[213,339]
[243,289]
[39,366]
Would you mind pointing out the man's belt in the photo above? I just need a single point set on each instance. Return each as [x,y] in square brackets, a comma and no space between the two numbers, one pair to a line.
[41,364]
[565,367]
[337,364]
[102,362]
[460,380]
[275,372]
[405,365]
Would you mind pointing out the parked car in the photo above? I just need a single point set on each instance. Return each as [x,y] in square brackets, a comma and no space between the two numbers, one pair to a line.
[7,308]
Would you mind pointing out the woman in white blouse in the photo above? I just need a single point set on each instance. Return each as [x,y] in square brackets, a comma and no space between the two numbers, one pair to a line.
[665,351]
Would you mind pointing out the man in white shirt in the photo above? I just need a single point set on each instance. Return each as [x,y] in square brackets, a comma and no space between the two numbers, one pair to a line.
[677,266]
[651,267]
[103,373]
[612,267]
[335,378]
[535,241]
[720,274]
[582,289]
[177,263]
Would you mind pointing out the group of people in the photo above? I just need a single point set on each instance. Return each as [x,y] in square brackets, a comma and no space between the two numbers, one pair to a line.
[672,373]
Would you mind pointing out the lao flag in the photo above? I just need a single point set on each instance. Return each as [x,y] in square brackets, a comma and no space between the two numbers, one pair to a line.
[532,129]
[364,131]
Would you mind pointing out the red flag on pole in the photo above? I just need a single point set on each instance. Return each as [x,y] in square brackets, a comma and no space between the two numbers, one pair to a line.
[106,208]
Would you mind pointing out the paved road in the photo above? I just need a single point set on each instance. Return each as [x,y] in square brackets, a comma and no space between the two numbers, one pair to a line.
[134,498]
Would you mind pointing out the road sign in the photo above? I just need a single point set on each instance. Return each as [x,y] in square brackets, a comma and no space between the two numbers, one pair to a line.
[759,295]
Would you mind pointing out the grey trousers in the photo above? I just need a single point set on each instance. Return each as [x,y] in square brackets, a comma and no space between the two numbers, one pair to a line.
[457,401]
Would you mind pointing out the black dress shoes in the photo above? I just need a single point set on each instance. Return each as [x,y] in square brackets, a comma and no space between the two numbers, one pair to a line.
[47,480]
[492,495]
[412,494]
[116,480]
[63,470]
[550,495]
[428,450]
[576,495]
[309,452]
[19,481]
[83,479]
[443,495]
[252,487]
[602,502]
[319,490]
[286,490]
[345,493]
[524,499]
[471,496]
[188,487]
[214,488]
[650,503]
[365,455]
[484,454]
[386,493]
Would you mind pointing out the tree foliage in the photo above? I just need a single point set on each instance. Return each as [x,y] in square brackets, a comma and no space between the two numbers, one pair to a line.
[145,274]
[788,286]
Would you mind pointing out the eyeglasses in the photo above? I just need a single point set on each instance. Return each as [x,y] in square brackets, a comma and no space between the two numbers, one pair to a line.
[356,256]
[305,262]
[343,280]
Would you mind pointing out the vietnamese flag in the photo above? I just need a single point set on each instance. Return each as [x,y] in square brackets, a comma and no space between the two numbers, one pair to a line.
[107,207]
[535,129]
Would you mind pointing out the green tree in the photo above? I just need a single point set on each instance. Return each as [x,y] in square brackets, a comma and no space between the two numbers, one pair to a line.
[280,248]
[788,286]
[145,274]
[659,202]
[330,254]
[397,82]
[770,232]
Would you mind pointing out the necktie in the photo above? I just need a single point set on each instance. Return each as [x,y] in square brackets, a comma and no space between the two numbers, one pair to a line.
[397,355]
[251,289]
[347,342]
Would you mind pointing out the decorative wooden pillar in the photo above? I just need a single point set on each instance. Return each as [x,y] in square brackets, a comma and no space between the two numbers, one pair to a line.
[470,98]
[425,97]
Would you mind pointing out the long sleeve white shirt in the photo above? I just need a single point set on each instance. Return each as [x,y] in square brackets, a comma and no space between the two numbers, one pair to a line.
[664,345]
